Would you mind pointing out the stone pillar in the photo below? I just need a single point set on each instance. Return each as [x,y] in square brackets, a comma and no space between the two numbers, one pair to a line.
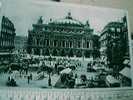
[32,51]
[41,51]
[89,44]
[34,43]
[65,44]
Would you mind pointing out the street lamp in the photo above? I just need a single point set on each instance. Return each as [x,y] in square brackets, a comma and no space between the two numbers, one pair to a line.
[50,59]
[82,48]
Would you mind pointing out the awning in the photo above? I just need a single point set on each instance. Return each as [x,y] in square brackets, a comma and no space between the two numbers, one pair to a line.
[34,65]
[126,72]
[61,66]
[5,53]
[66,71]
[111,79]
[103,49]
[126,61]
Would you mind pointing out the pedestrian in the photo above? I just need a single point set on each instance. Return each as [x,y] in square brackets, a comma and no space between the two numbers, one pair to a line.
[76,76]
[30,76]
[28,79]
[49,82]
[9,79]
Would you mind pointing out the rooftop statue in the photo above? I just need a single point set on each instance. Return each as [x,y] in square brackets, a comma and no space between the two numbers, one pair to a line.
[40,20]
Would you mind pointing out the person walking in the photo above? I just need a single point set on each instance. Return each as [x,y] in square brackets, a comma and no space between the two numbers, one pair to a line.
[28,79]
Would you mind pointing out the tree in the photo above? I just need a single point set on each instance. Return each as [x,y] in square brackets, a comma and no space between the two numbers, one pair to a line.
[96,46]
[116,51]
[96,42]
[109,53]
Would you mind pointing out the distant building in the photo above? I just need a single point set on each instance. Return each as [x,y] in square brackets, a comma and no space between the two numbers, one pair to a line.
[62,37]
[114,42]
[20,42]
[7,35]
[132,42]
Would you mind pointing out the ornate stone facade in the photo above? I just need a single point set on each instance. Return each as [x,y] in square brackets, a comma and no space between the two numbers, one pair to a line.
[114,39]
[62,37]
[7,35]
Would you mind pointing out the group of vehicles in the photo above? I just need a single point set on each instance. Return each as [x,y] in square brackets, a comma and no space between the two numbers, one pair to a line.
[68,79]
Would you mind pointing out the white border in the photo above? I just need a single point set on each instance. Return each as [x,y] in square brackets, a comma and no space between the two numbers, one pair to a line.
[130,47]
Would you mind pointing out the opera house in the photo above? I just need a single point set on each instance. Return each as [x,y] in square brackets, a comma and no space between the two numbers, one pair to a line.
[63,37]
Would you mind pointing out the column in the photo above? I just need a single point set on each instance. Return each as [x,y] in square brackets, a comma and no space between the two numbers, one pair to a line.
[82,48]
[32,51]
[90,44]
[41,51]
[65,44]
[34,41]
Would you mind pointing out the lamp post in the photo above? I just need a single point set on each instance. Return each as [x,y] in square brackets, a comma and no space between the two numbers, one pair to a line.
[50,59]
[82,48]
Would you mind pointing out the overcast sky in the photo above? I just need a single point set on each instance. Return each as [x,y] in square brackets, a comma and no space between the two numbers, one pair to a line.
[23,13]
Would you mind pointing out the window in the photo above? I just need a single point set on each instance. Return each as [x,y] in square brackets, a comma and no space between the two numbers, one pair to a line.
[63,43]
[44,42]
[47,42]
[112,29]
[67,44]
[118,30]
[37,41]
[79,44]
[55,43]
[88,44]
[70,44]
[41,42]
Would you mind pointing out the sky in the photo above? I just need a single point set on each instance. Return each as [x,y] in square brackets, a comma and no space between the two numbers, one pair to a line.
[24,13]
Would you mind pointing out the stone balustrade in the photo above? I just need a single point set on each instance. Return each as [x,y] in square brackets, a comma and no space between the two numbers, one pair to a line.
[66,94]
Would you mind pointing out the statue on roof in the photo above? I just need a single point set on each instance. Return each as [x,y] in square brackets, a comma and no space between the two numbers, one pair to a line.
[69,16]
[40,21]
[87,23]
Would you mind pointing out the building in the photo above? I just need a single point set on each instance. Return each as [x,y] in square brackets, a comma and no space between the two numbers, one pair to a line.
[114,42]
[62,37]
[20,42]
[7,35]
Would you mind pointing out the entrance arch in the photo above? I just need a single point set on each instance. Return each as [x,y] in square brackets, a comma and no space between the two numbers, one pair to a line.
[47,53]
[79,53]
[71,54]
[54,53]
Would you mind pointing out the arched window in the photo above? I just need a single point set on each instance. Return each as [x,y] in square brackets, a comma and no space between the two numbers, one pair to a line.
[34,41]
[88,44]
[63,43]
[37,41]
[70,44]
[47,42]
[55,43]
[41,42]
[79,44]
[44,42]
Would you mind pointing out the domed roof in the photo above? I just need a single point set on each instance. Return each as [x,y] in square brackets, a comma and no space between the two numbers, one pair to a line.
[67,20]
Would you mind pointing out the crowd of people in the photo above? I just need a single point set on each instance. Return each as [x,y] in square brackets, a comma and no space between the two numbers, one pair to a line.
[48,65]
[67,69]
